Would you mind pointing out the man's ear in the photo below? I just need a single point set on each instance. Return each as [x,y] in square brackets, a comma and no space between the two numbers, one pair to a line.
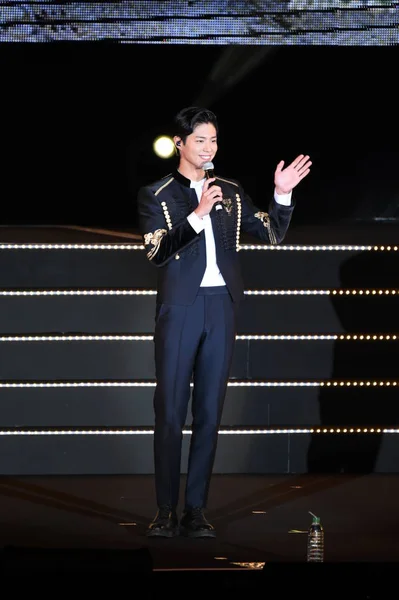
[177,142]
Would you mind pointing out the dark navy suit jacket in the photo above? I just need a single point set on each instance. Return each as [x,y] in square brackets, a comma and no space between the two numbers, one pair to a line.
[178,251]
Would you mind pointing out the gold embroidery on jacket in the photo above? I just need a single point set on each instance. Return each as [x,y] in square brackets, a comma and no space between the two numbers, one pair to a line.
[227,181]
[164,186]
[239,213]
[161,232]
[155,240]
[166,214]
[164,205]
[228,205]
[264,217]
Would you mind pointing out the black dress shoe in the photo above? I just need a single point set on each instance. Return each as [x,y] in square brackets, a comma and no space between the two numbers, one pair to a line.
[193,524]
[165,523]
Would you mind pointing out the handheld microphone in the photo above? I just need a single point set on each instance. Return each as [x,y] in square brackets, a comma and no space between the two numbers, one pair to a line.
[208,168]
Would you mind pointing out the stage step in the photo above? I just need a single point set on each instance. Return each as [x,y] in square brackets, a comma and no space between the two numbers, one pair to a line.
[256,405]
[119,358]
[91,452]
[314,367]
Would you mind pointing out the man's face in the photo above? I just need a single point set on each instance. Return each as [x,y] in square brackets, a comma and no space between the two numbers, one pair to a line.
[200,146]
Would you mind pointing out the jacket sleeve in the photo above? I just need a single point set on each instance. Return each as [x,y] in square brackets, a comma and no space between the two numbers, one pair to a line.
[162,241]
[269,226]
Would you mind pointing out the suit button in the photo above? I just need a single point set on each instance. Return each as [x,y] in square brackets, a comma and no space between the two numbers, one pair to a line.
[177,257]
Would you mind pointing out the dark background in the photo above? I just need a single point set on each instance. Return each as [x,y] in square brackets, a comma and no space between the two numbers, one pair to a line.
[79,119]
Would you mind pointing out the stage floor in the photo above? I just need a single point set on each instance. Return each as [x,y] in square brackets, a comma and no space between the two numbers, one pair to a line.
[87,534]
[258,519]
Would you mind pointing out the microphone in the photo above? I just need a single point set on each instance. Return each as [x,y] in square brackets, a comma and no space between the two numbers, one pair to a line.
[208,168]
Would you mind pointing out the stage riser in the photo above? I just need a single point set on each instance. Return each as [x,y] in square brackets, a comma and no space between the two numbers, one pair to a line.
[252,454]
[99,267]
[92,307]
[253,359]
[99,314]
[109,407]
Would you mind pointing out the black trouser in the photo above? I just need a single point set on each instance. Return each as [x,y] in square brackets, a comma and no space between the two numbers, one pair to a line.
[192,343]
